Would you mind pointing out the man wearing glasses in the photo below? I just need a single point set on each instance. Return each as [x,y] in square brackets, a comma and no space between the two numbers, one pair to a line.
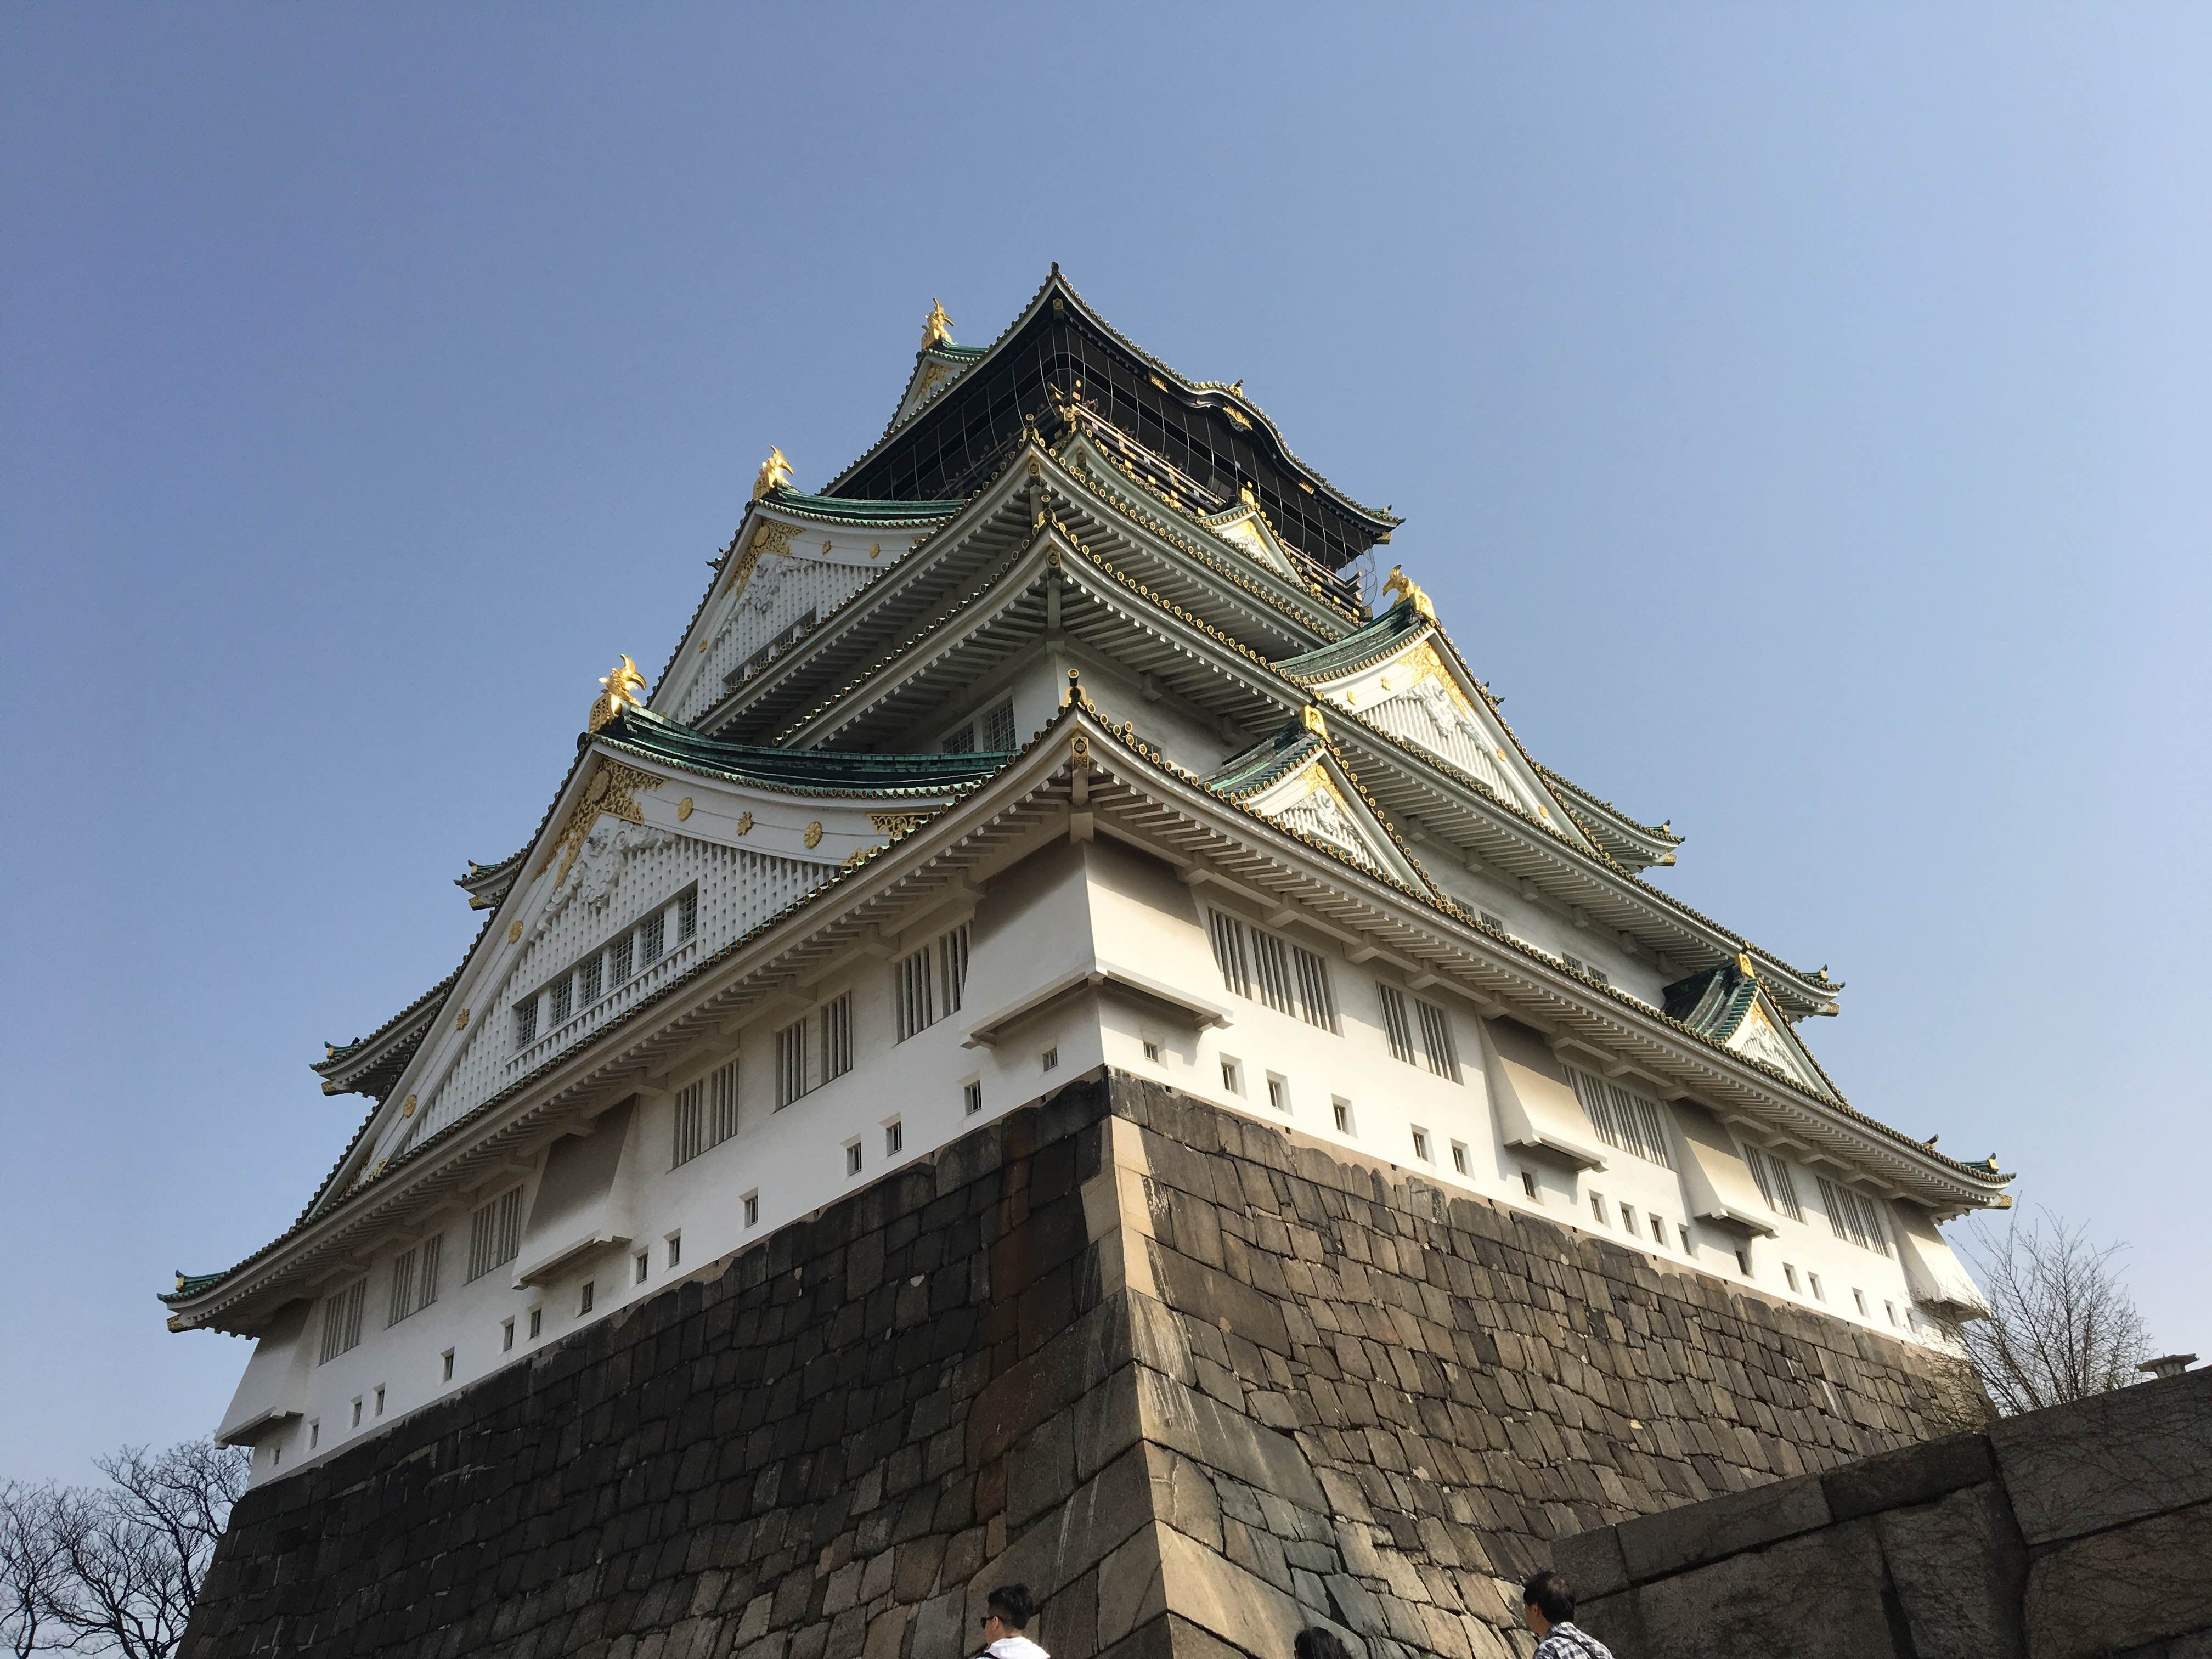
[1012,1608]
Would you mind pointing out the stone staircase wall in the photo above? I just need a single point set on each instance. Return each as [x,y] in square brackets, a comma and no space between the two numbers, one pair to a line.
[1197,1380]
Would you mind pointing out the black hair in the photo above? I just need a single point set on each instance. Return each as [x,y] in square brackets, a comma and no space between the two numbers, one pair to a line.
[1548,1593]
[1013,1603]
[1315,1643]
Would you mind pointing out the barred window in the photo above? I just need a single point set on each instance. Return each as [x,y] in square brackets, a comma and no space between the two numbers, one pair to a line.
[341,1320]
[722,1104]
[952,967]
[971,1098]
[1775,1186]
[690,1122]
[1274,962]
[932,983]
[525,1022]
[496,1233]
[652,933]
[414,1280]
[1316,1004]
[1436,1046]
[1258,964]
[591,976]
[960,740]
[687,914]
[998,727]
[1229,952]
[621,955]
[837,1037]
[1853,1216]
[1634,1122]
[563,999]
[790,1063]
[1395,1026]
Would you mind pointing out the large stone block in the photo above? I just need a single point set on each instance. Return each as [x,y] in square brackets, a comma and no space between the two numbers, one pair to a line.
[1817,1597]
[1719,1527]
[2149,1581]
[2079,1468]
[1958,1566]
[1910,1474]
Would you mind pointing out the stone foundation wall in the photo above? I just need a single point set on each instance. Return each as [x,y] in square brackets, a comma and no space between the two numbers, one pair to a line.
[1196,1381]
[2081,1531]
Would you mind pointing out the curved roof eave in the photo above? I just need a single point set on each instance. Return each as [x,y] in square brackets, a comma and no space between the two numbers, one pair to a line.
[1193,391]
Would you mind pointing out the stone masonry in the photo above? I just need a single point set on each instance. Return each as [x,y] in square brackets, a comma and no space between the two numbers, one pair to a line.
[2078,1532]
[1197,1380]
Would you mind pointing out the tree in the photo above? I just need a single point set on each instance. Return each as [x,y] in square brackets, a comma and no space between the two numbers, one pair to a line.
[115,1569]
[2062,1325]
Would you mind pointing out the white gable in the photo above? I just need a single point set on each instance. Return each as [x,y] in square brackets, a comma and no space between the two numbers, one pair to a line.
[1417,695]
[1313,801]
[1760,1036]
[778,587]
[1246,529]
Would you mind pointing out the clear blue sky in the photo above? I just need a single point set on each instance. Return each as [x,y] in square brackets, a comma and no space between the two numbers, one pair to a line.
[1799,414]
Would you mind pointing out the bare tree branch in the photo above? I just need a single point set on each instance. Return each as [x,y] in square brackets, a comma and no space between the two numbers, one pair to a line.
[116,1569]
[2062,1325]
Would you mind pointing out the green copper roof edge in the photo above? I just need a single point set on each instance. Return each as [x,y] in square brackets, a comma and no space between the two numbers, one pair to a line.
[1339,613]
[1656,832]
[1356,650]
[844,509]
[1194,388]
[1979,1174]
[423,1008]
[844,772]
[1834,1100]
[835,875]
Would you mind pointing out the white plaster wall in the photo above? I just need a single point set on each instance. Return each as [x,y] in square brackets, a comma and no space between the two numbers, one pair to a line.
[1060,908]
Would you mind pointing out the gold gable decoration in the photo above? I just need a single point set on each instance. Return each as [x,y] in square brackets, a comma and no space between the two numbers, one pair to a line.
[936,328]
[775,473]
[1404,586]
[622,686]
[613,790]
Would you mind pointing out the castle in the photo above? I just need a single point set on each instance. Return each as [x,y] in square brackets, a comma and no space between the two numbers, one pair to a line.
[1046,789]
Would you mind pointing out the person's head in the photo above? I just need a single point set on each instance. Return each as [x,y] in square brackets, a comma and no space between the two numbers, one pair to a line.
[1547,1600]
[1009,1609]
[1315,1643]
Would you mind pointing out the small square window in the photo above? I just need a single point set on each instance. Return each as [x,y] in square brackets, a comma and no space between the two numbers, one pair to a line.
[446,1360]
[1658,1230]
[356,1410]
[314,1433]
[1279,1093]
[1342,1108]
[1890,1308]
[675,1248]
[1528,1187]
[852,1158]
[1421,1145]
[1598,1207]
[1152,1051]
[1813,1279]
[894,1138]
[1627,1219]
[1859,1297]
[380,1400]
[643,1264]
[507,1336]
[1459,1156]
[1790,1275]
[536,1323]
[1050,1059]
[585,1295]
[751,1202]
[971,1098]
[1232,1077]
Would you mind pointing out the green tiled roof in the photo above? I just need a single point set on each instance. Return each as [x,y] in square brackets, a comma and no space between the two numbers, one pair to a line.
[193,1284]
[823,771]
[1713,1003]
[851,510]
[1274,756]
[1355,650]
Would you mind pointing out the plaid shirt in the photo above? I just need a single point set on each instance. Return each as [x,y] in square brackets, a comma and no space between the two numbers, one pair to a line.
[1566,1642]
